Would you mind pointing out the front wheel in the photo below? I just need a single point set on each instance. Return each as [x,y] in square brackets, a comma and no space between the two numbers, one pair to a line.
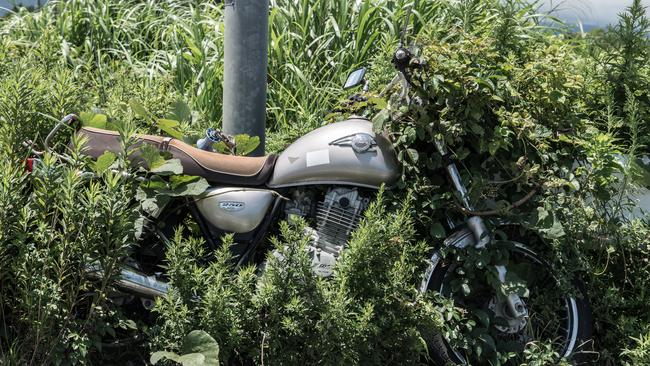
[557,324]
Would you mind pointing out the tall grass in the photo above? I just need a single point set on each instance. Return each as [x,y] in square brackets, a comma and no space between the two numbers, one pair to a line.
[312,47]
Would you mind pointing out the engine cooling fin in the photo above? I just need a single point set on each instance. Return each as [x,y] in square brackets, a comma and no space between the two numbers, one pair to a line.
[335,224]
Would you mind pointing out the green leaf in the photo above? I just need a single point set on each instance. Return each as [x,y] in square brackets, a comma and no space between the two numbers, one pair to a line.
[413,154]
[488,340]
[168,126]
[193,188]
[556,231]
[380,103]
[493,147]
[178,180]
[155,183]
[483,317]
[104,162]
[245,144]
[437,230]
[157,356]
[168,167]
[379,120]
[139,109]
[193,359]
[190,359]
[221,147]
[95,120]
[198,341]
[150,155]
[557,96]
[181,112]
[153,205]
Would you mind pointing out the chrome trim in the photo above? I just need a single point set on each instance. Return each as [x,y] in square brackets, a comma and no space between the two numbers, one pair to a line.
[477,226]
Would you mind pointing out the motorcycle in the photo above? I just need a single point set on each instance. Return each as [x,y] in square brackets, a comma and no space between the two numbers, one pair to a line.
[328,177]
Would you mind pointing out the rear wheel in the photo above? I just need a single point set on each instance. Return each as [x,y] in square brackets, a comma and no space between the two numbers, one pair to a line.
[557,322]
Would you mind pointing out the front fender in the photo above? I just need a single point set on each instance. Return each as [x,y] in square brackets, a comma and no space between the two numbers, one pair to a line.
[462,238]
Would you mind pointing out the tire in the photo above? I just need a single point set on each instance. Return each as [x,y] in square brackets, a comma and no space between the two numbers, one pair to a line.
[578,350]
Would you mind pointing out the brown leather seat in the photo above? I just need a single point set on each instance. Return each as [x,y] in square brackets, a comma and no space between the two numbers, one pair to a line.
[214,167]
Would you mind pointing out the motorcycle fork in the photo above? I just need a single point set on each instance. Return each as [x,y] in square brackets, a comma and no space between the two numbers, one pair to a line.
[477,226]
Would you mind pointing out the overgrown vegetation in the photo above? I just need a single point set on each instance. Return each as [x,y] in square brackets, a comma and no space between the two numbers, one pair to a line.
[369,313]
[518,99]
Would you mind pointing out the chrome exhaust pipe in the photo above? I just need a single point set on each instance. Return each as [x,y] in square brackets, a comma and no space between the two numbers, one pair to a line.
[133,281]
[141,284]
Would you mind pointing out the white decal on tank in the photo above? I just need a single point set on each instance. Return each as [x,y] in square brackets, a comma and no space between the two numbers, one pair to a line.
[318,157]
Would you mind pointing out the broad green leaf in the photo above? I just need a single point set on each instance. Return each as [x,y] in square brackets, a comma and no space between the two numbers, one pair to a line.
[95,120]
[152,206]
[104,162]
[380,103]
[168,126]
[413,154]
[151,155]
[488,340]
[180,112]
[557,97]
[542,215]
[221,147]
[193,359]
[245,144]
[193,188]
[493,147]
[160,355]
[139,109]
[483,317]
[198,341]
[178,180]
[437,230]
[168,167]
[379,120]
[190,359]
[556,231]
[155,183]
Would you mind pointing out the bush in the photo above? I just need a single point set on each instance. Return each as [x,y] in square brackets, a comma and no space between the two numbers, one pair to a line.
[369,314]
[55,226]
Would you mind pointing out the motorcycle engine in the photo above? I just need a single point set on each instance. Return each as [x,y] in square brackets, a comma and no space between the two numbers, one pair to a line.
[336,216]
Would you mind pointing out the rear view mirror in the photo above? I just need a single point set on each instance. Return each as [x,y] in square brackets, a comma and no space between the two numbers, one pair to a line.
[355,78]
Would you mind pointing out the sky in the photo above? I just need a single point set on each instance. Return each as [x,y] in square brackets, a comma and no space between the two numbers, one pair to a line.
[590,12]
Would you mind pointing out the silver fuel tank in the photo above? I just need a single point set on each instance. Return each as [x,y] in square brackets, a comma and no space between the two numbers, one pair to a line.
[346,152]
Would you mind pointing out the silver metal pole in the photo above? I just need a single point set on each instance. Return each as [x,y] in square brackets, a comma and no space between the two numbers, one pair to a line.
[245,65]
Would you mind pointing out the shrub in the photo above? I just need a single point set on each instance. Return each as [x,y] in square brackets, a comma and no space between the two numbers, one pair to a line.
[370,313]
